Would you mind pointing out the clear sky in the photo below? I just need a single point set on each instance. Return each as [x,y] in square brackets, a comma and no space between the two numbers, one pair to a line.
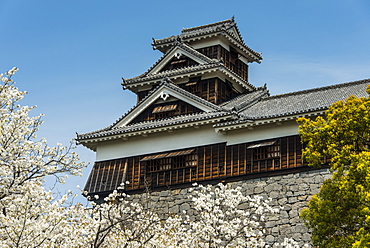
[73,53]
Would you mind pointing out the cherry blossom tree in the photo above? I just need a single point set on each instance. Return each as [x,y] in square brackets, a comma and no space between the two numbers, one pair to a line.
[30,216]
[219,221]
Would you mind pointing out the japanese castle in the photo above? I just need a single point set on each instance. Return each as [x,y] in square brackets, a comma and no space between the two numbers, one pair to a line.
[199,119]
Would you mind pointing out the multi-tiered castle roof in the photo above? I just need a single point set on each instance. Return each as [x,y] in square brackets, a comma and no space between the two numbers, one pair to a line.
[201,81]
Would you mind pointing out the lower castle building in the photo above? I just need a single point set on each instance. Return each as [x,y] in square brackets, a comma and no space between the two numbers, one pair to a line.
[199,119]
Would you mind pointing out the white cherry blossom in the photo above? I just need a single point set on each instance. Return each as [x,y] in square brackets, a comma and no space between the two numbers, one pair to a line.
[31,217]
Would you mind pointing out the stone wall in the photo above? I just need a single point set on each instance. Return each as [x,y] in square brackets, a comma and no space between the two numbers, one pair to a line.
[291,192]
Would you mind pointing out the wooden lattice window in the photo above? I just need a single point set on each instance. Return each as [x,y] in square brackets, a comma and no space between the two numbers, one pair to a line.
[179,62]
[193,85]
[165,111]
[170,161]
[265,150]
[211,52]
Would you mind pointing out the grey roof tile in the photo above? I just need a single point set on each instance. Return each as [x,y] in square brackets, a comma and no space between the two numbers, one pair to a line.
[178,45]
[166,81]
[245,99]
[141,126]
[200,30]
[222,26]
[306,100]
[170,73]
[185,118]
[184,70]
[210,28]
[252,106]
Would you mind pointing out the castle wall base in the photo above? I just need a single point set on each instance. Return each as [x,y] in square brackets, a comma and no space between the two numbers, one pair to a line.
[290,192]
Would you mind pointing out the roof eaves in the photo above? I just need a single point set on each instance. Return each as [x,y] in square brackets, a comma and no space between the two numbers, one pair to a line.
[194,31]
[128,112]
[177,122]
[167,83]
[176,72]
[244,83]
[250,122]
[193,96]
[196,53]
[245,103]
[322,108]
[170,73]
[179,45]
[231,20]
[224,31]
[257,56]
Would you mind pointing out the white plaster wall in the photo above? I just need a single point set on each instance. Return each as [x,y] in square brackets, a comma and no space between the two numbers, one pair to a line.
[262,132]
[189,137]
[210,42]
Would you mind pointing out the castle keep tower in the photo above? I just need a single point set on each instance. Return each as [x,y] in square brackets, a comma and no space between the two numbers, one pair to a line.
[199,119]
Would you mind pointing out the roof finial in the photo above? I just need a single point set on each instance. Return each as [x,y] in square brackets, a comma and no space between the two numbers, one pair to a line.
[178,39]
[165,79]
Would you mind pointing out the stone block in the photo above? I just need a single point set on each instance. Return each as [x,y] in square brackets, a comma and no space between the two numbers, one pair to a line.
[258,190]
[174,209]
[306,237]
[284,214]
[294,187]
[270,224]
[295,220]
[282,201]
[292,199]
[285,229]
[299,193]
[270,238]
[275,230]
[185,207]
[293,213]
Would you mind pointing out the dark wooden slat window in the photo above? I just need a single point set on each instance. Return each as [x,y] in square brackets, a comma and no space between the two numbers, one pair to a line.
[196,164]
[230,59]
[165,110]
[171,163]
[266,151]
[179,62]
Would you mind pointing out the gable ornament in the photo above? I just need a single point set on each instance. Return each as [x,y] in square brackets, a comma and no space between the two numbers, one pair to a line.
[164,95]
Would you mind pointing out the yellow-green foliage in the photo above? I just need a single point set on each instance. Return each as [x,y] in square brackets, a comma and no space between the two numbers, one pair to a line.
[339,215]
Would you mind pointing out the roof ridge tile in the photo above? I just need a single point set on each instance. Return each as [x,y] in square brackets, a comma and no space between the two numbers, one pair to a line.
[209,25]
[318,89]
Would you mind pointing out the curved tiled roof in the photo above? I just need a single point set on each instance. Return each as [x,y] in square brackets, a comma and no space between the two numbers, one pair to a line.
[227,23]
[170,73]
[179,45]
[209,29]
[251,107]
[184,70]
[190,95]
[213,27]
[200,30]
[165,82]
[146,125]
[306,100]
[299,102]
[245,99]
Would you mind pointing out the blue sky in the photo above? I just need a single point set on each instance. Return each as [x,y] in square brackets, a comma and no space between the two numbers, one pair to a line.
[73,53]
